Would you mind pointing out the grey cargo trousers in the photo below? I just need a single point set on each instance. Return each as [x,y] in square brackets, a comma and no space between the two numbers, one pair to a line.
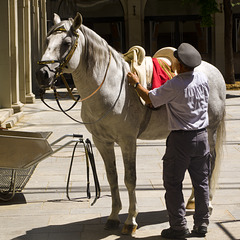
[186,150]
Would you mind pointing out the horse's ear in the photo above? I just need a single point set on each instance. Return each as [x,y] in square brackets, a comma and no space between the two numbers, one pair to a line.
[77,21]
[56,19]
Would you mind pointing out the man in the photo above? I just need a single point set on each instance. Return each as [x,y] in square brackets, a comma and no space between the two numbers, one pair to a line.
[186,98]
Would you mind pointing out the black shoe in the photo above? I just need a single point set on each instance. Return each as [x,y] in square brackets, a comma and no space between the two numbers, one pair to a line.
[177,234]
[199,231]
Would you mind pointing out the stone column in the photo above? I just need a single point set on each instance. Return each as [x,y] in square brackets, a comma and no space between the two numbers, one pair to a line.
[14,70]
[21,52]
[30,97]
[43,24]
[35,38]
[134,21]
[5,64]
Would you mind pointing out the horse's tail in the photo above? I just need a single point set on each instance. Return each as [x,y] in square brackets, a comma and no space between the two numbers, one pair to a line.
[220,139]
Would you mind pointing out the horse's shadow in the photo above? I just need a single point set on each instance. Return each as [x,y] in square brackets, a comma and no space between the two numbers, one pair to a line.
[93,229]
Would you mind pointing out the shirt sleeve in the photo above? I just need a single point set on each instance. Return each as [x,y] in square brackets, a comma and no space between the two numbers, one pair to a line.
[164,94]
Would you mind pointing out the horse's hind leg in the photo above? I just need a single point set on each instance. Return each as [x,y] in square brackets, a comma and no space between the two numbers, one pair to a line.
[107,152]
[214,162]
[212,179]
[191,201]
[129,157]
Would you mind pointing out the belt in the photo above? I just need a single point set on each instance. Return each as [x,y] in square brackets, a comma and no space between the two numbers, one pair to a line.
[190,131]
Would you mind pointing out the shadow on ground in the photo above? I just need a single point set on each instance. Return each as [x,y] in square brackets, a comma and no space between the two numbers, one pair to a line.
[16,199]
[223,226]
[93,229]
[228,96]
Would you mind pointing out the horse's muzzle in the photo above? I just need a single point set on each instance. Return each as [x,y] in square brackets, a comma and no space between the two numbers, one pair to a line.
[44,77]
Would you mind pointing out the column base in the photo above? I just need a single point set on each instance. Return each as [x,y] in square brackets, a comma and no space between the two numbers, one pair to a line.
[17,107]
[30,98]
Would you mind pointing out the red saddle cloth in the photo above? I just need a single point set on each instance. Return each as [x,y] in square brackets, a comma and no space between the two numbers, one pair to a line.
[161,73]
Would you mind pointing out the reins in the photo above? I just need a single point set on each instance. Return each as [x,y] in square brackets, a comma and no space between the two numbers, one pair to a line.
[100,118]
[41,92]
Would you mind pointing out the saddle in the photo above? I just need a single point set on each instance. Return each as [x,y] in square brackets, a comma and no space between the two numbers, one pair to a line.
[152,72]
[139,63]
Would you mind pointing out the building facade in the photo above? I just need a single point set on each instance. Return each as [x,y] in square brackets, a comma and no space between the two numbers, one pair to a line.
[152,24]
[22,26]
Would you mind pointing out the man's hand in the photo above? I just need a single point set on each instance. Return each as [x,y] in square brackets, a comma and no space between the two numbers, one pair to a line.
[133,78]
[143,92]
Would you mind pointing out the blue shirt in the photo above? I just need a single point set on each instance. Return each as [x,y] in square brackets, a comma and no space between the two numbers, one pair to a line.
[186,98]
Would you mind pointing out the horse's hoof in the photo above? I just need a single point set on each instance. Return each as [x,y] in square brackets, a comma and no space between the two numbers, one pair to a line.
[112,224]
[190,205]
[129,229]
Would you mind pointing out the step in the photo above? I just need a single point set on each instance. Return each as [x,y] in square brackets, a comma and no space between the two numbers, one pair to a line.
[12,120]
[5,113]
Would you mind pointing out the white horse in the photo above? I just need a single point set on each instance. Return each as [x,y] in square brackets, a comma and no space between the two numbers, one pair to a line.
[113,113]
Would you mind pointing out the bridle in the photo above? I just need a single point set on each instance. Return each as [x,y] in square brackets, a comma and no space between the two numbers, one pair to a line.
[59,73]
[62,63]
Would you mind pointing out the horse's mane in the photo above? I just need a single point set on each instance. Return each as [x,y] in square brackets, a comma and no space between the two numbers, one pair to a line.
[95,46]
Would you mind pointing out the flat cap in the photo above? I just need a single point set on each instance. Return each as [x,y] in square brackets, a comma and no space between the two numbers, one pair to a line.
[188,55]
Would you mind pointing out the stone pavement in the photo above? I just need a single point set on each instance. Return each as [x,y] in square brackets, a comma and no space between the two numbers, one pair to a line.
[42,211]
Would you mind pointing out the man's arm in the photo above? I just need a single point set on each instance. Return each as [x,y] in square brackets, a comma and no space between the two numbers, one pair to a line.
[143,92]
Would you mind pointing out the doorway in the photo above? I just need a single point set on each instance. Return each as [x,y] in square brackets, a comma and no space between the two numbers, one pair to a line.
[173,30]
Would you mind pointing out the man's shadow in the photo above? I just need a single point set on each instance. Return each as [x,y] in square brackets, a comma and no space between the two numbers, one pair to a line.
[93,229]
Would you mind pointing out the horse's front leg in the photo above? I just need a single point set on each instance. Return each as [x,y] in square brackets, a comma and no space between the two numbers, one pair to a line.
[107,152]
[129,157]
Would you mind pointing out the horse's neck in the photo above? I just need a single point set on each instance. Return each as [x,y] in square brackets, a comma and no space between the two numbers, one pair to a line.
[92,60]
[96,61]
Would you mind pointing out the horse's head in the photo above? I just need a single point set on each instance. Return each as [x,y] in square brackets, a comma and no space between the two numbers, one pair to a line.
[61,54]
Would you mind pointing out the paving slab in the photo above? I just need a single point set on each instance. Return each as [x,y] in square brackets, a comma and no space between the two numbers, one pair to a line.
[42,210]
